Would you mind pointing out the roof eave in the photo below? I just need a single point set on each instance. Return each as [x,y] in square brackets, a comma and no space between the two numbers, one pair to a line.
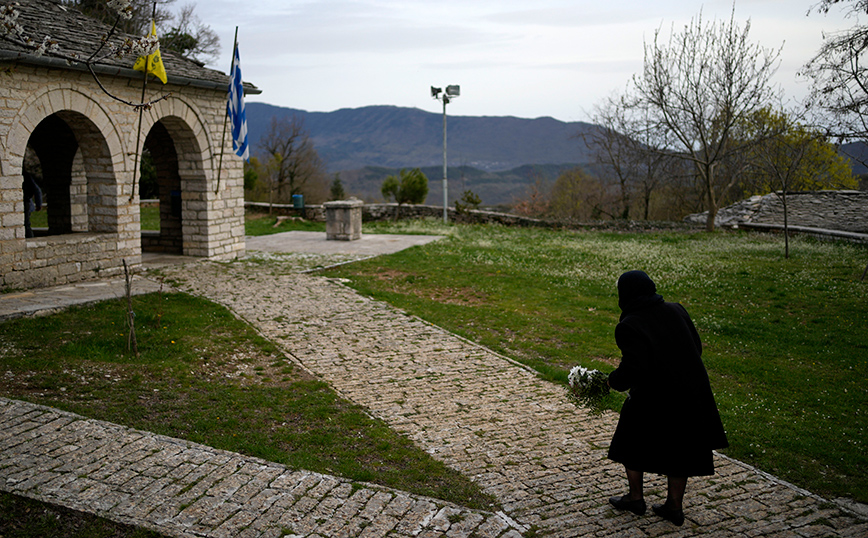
[116,71]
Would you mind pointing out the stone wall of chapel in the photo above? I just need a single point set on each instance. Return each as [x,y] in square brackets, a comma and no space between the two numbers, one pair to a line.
[100,195]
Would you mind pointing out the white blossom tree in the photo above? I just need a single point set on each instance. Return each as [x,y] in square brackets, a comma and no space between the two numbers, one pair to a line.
[112,45]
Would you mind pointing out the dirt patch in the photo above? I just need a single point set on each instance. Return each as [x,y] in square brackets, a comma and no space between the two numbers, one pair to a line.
[391,275]
[251,369]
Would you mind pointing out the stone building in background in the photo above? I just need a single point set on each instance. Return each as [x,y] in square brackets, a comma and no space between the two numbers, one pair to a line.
[81,144]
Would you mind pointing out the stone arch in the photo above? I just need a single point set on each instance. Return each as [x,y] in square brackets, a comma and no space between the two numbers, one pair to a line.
[77,174]
[40,105]
[187,127]
[178,142]
[169,238]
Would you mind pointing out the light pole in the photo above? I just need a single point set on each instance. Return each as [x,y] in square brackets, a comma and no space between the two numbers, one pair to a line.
[451,92]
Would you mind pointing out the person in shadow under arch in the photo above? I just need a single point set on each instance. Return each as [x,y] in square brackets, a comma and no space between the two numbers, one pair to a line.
[32,200]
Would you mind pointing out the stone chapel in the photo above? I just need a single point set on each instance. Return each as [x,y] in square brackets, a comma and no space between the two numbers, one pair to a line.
[81,144]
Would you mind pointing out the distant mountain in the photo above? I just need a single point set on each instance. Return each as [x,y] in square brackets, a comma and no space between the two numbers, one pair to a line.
[857,153]
[495,157]
[395,137]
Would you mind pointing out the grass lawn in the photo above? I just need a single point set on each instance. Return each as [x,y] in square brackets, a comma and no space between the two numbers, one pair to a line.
[207,377]
[257,223]
[149,213]
[25,518]
[785,340]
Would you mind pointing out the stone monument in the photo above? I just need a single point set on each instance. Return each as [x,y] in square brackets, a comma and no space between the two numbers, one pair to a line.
[344,220]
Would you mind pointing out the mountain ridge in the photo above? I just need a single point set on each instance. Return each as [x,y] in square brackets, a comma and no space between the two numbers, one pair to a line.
[398,137]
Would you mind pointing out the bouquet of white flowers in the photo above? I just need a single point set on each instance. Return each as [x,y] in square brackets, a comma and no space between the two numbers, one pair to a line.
[588,387]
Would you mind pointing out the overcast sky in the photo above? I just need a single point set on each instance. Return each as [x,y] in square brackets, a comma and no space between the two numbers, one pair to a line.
[525,58]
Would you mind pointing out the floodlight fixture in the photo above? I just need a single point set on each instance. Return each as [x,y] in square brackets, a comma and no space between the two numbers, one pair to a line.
[452,91]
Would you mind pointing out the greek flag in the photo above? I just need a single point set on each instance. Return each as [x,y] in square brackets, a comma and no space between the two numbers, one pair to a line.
[235,109]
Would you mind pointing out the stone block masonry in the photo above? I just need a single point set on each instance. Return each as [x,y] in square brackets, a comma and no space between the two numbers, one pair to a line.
[85,143]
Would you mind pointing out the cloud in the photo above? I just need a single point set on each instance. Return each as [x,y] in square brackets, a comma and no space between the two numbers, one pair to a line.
[330,54]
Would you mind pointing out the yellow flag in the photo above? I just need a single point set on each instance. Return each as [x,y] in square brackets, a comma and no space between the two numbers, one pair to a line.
[152,64]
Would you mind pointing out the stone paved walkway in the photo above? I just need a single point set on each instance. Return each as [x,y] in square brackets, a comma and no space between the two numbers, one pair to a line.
[44,301]
[183,489]
[515,435]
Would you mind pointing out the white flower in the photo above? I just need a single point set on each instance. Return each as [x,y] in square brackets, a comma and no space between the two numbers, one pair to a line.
[123,8]
[144,46]
[9,25]
[576,375]
[47,45]
[588,387]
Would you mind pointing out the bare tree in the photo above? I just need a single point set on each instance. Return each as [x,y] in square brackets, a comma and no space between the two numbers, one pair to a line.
[629,153]
[137,14]
[189,37]
[536,200]
[840,76]
[613,149]
[182,32]
[697,87]
[292,163]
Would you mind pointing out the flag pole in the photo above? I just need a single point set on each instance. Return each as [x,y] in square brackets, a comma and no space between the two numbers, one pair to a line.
[141,112]
[139,133]
[226,116]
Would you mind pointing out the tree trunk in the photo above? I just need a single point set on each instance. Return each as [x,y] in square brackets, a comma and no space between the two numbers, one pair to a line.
[712,203]
[712,214]
[786,226]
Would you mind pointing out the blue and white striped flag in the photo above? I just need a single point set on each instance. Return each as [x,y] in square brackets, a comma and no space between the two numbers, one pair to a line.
[235,109]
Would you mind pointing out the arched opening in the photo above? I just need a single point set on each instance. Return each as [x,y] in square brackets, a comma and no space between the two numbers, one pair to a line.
[70,162]
[175,154]
[163,182]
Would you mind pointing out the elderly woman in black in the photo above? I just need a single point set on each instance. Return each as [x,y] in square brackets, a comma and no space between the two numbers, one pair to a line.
[669,424]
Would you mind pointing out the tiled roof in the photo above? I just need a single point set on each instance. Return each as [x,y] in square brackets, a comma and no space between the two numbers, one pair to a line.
[82,35]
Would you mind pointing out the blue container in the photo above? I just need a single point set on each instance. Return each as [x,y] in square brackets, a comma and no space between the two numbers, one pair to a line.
[298,201]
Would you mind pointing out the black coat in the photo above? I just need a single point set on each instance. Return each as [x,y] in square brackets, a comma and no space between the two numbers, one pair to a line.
[670,423]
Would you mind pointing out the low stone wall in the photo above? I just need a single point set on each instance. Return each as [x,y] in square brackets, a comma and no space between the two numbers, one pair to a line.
[375,212]
[165,243]
[818,233]
[315,213]
[62,259]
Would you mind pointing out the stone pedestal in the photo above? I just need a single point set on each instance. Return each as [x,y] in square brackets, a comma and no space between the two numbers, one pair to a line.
[344,220]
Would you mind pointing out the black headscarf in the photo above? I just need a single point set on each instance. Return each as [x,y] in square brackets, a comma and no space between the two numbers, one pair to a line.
[636,290]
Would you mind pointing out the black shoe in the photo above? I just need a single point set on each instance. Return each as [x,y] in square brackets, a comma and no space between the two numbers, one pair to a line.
[676,517]
[624,503]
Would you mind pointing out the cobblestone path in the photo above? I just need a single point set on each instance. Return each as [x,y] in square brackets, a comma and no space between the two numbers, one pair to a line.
[514,434]
[187,490]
